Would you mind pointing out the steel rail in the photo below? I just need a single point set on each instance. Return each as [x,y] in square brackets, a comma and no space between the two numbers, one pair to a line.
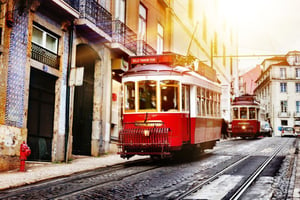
[241,190]
[195,188]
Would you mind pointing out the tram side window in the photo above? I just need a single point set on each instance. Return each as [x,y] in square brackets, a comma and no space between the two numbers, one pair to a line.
[147,94]
[129,96]
[235,113]
[203,102]
[199,101]
[169,95]
[252,113]
[185,98]
[243,113]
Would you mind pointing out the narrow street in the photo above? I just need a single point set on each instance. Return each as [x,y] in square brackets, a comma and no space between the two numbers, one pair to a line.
[231,162]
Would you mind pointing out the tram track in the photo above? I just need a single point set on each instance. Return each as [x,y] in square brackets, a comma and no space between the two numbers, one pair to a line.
[65,186]
[242,188]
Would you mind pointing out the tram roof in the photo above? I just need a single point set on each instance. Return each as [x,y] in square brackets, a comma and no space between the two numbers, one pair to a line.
[183,73]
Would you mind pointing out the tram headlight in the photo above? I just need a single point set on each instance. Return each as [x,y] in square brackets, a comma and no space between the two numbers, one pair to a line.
[146,132]
[243,127]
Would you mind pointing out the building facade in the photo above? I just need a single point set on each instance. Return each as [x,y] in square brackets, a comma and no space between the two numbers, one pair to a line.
[247,81]
[278,88]
[61,63]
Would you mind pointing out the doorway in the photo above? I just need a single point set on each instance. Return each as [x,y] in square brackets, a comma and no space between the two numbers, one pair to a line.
[83,102]
[41,114]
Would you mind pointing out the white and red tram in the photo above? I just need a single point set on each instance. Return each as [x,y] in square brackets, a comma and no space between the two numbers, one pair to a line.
[248,118]
[168,106]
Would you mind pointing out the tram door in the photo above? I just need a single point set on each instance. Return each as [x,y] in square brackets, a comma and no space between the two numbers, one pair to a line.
[40,114]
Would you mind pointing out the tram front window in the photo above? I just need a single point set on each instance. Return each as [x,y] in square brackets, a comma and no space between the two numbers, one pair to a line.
[235,113]
[129,96]
[147,95]
[252,113]
[169,95]
[243,113]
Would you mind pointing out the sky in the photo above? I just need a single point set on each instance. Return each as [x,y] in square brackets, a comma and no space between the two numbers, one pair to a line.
[265,27]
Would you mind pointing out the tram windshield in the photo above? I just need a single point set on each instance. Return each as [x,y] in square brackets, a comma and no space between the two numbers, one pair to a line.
[147,94]
[169,95]
[244,113]
[142,96]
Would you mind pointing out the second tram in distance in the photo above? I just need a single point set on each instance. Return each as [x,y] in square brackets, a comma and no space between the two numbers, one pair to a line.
[168,107]
[248,118]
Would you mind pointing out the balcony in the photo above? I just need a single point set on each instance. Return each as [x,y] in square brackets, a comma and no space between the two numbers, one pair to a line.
[69,7]
[144,48]
[95,22]
[123,37]
[284,114]
[45,56]
[73,3]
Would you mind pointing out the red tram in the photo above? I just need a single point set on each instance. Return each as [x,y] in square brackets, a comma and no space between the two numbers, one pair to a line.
[248,119]
[168,106]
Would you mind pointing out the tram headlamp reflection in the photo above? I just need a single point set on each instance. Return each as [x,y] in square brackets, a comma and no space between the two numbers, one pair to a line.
[243,127]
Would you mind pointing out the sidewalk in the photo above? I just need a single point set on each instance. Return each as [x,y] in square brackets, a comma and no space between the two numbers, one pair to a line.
[38,171]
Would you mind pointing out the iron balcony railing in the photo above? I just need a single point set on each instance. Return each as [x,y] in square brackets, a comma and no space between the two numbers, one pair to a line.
[94,12]
[73,3]
[45,56]
[143,48]
[122,34]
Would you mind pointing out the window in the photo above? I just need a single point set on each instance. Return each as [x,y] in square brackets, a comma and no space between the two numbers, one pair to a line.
[282,72]
[297,106]
[283,106]
[147,95]
[297,72]
[142,29]
[199,101]
[252,113]
[235,113]
[129,96]
[169,95]
[185,98]
[298,87]
[160,39]
[120,10]
[44,39]
[203,102]
[283,87]
[284,122]
[243,113]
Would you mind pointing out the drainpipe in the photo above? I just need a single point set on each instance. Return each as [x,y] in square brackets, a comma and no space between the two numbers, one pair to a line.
[67,131]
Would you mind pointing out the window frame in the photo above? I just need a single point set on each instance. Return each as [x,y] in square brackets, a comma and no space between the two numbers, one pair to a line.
[283,87]
[283,106]
[45,33]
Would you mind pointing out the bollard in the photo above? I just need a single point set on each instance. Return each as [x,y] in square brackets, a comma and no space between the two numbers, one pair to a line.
[24,153]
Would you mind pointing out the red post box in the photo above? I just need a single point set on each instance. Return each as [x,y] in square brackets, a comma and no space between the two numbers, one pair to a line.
[24,153]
